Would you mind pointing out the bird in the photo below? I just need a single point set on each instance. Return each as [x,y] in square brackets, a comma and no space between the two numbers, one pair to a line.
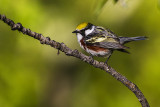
[101,42]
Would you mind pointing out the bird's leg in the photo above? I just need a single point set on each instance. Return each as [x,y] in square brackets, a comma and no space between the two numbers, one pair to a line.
[91,57]
[111,51]
[107,60]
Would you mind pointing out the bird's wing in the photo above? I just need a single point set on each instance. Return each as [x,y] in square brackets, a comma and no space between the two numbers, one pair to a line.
[95,38]
[110,45]
[105,31]
[105,42]
[104,38]
[101,34]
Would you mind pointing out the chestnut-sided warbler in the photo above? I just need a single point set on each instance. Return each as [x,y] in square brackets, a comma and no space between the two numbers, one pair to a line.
[101,42]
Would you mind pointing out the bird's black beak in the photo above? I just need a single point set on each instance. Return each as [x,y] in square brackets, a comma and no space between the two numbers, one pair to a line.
[75,31]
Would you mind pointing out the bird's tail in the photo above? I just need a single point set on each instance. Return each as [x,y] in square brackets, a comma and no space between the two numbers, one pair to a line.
[124,40]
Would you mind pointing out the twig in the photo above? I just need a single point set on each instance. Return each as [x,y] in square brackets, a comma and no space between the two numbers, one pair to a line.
[75,53]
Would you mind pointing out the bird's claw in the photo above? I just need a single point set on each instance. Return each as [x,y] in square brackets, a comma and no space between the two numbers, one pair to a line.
[106,63]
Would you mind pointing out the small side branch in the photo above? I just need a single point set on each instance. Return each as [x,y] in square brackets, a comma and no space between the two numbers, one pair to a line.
[75,53]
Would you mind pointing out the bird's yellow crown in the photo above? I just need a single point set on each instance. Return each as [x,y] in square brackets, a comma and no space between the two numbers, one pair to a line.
[82,26]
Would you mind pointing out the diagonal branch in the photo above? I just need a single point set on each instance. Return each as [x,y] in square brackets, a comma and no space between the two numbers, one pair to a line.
[75,53]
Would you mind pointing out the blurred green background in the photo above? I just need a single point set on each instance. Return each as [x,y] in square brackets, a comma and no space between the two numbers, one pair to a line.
[33,75]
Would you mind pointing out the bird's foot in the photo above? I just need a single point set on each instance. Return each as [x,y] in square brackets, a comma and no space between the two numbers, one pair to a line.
[106,63]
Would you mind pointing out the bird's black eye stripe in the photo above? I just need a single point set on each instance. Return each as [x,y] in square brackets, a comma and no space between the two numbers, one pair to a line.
[82,32]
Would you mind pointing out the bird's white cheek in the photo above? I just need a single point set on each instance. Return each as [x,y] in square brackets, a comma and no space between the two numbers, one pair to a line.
[79,37]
